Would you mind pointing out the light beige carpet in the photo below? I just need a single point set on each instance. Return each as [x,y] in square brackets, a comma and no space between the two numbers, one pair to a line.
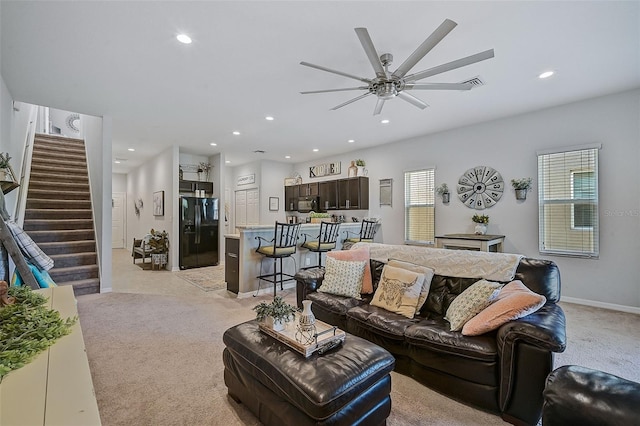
[157,360]
[209,278]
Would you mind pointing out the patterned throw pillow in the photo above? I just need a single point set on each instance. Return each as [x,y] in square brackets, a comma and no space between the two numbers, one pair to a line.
[514,301]
[356,254]
[426,285]
[398,291]
[343,277]
[470,302]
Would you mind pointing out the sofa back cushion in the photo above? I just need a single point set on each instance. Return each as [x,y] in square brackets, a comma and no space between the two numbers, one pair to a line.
[541,276]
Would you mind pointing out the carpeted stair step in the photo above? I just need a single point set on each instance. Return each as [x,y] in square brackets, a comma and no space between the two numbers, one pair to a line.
[60,236]
[41,150]
[74,259]
[74,273]
[58,169]
[54,248]
[57,161]
[88,286]
[57,177]
[58,186]
[58,140]
[52,194]
[57,214]
[56,224]
[36,203]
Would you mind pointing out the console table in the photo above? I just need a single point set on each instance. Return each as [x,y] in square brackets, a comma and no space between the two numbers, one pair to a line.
[492,243]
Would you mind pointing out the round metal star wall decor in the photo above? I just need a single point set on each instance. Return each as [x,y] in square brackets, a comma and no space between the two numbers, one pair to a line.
[480,187]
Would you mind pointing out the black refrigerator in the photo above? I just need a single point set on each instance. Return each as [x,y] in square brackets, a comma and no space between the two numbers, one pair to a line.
[198,232]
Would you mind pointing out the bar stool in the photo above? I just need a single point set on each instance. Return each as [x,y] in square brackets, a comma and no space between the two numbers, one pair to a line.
[282,245]
[367,232]
[326,240]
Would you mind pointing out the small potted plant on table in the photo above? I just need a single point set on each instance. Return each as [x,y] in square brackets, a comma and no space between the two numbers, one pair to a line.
[521,186]
[276,313]
[481,220]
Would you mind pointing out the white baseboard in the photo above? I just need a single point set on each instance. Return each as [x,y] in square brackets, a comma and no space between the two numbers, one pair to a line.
[267,290]
[604,305]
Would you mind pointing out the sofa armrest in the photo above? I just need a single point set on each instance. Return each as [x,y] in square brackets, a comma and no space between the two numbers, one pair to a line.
[579,395]
[307,281]
[525,350]
[545,328]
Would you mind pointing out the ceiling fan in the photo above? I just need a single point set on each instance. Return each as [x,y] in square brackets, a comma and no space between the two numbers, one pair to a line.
[387,85]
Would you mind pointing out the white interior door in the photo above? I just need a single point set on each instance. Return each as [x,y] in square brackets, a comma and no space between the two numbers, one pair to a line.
[117,219]
[240,207]
[253,207]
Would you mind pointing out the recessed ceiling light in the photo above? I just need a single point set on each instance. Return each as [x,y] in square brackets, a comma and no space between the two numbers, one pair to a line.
[287,156]
[385,121]
[131,149]
[315,150]
[227,161]
[183,38]
[236,133]
[268,118]
[546,74]
[117,162]
[351,141]
[213,144]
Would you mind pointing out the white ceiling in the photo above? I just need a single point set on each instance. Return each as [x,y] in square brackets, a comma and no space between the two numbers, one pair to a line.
[121,59]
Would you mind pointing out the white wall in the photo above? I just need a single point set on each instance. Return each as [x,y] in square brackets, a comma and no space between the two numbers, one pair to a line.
[157,174]
[509,145]
[272,174]
[119,182]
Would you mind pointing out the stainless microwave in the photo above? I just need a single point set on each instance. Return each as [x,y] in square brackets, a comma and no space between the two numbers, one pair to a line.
[307,204]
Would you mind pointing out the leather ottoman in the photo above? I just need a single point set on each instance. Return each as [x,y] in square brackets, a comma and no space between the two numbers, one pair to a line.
[347,385]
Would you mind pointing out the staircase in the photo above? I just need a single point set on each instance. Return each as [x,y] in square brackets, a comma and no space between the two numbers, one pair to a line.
[58,215]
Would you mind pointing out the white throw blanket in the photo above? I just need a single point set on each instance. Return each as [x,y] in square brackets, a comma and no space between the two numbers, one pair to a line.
[450,263]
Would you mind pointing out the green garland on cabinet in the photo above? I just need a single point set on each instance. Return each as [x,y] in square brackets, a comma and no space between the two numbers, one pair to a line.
[27,327]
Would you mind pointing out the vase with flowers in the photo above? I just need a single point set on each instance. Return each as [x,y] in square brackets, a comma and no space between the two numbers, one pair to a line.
[481,221]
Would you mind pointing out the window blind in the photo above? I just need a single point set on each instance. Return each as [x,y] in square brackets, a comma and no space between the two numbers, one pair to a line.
[568,203]
[419,226]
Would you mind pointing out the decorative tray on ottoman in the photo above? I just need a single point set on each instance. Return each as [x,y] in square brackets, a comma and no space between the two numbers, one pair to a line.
[321,339]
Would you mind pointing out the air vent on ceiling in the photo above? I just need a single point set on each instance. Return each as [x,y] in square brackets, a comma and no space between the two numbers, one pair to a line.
[258,151]
[120,159]
[474,82]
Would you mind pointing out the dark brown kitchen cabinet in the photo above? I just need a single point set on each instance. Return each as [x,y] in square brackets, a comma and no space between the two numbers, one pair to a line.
[308,189]
[328,191]
[232,264]
[190,186]
[353,193]
[291,198]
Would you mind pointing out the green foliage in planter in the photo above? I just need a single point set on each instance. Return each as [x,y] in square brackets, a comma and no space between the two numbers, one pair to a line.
[4,160]
[480,218]
[27,328]
[278,309]
[319,215]
[523,183]
[442,189]
[360,163]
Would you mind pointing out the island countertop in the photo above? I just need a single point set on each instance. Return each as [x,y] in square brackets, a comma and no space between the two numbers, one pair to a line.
[251,263]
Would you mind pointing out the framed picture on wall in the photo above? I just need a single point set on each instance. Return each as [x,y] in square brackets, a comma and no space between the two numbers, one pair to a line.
[274,204]
[158,203]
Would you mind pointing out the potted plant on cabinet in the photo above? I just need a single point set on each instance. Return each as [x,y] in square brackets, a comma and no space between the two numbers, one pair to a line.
[276,313]
[481,221]
[360,165]
[521,186]
[443,191]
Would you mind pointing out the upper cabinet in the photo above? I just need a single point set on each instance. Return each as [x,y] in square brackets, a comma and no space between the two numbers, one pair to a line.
[353,193]
[189,187]
[340,194]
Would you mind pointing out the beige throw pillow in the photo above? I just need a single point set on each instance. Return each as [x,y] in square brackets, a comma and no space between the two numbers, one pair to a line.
[426,285]
[470,302]
[398,291]
[343,278]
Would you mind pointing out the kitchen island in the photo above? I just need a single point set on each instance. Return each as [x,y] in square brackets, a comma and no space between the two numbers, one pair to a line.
[249,260]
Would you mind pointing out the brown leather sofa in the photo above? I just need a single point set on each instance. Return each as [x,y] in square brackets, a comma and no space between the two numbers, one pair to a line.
[503,371]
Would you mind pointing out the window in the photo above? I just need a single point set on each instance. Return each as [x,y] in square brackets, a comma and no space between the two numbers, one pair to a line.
[568,202]
[419,207]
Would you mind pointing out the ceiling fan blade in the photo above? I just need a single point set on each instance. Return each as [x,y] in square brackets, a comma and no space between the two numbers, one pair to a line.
[370,50]
[458,63]
[412,100]
[426,46]
[438,86]
[335,90]
[344,74]
[379,106]
[351,101]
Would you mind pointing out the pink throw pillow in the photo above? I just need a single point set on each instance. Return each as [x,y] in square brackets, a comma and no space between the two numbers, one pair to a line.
[514,301]
[359,254]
